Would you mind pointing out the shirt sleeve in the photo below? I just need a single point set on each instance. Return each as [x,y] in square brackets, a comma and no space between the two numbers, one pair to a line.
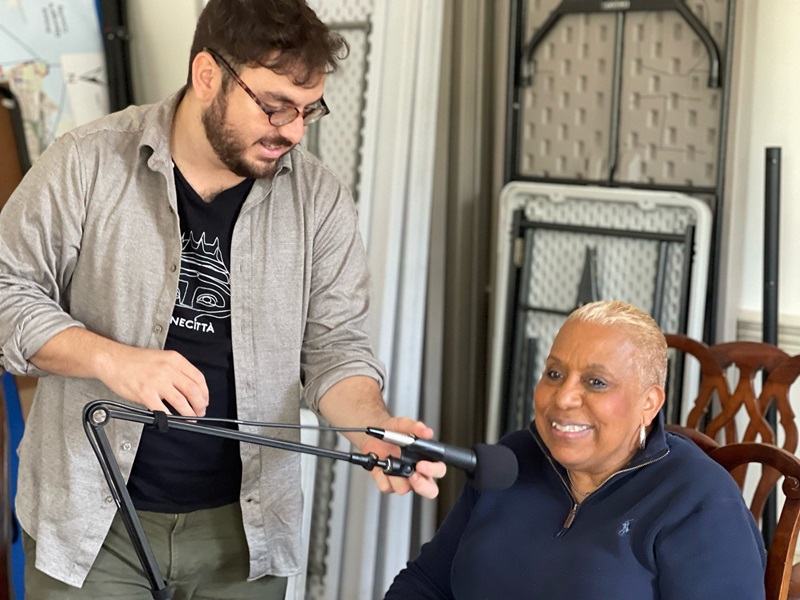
[428,576]
[335,343]
[716,552]
[40,233]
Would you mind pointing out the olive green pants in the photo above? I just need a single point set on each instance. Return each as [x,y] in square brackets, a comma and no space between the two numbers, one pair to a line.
[202,555]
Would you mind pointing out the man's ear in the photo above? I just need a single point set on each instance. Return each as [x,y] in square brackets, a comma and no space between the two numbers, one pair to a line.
[653,401]
[206,77]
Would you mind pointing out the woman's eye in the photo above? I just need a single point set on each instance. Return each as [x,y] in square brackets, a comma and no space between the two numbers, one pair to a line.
[551,374]
[597,383]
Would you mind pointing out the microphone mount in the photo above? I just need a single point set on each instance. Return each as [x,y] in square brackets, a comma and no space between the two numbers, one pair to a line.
[99,413]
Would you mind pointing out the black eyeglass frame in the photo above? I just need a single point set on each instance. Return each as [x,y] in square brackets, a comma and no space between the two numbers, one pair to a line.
[282,116]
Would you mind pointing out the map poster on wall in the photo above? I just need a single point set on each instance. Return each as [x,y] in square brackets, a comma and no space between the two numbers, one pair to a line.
[51,56]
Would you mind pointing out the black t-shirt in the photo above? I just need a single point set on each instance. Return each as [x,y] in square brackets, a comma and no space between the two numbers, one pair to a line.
[182,471]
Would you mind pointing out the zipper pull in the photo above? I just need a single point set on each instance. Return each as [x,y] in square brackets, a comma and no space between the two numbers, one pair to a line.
[570,518]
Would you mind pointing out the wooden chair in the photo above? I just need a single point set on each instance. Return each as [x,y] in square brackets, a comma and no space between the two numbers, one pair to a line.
[750,359]
[780,555]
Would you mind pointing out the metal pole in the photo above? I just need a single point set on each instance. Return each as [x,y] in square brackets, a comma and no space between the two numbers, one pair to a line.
[772,194]
[114,29]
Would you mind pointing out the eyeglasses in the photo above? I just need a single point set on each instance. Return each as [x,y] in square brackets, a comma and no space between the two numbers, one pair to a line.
[281,116]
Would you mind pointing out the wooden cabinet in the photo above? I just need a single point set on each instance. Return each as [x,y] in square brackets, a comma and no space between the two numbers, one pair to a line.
[13,156]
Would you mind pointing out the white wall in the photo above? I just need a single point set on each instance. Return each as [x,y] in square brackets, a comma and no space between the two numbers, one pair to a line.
[766,112]
[161,37]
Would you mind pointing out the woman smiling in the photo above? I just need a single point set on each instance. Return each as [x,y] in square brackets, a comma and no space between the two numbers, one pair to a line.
[607,504]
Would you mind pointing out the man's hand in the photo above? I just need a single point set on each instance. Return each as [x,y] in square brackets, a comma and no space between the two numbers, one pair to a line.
[148,377]
[356,402]
[151,377]
[423,480]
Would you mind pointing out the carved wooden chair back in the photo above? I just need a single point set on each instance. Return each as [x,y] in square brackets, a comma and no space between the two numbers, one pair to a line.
[713,382]
[749,358]
[780,554]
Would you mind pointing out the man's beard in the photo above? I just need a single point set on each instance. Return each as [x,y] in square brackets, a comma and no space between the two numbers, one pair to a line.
[229,149]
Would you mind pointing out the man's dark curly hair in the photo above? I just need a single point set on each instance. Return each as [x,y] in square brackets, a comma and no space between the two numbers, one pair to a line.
[285,36]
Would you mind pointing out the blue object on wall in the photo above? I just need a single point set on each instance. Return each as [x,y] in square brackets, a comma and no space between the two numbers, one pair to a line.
[15,429]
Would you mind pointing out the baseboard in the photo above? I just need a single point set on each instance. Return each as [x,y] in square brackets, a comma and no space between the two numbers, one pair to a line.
[749,328]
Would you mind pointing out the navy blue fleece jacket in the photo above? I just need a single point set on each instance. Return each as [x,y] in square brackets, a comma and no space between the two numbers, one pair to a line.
[671,525]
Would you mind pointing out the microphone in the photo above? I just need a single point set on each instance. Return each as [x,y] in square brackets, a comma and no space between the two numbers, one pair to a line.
[489,466]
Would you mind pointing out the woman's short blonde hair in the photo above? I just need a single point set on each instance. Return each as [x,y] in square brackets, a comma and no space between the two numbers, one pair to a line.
[643,331]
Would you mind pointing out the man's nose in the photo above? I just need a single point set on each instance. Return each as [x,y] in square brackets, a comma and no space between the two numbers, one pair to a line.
[293,131]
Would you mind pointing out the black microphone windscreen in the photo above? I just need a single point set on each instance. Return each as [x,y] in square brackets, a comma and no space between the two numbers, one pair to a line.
[496,467]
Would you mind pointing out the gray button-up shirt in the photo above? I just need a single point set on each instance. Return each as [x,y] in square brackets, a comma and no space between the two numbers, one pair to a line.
[91,239]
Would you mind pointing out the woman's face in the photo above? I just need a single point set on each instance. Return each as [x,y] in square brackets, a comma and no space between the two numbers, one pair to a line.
[589,403]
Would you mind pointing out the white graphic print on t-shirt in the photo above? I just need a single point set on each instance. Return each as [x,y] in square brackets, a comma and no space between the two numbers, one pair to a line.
[204,285]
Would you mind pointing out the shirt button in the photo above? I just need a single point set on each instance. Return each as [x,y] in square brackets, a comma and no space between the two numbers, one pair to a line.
[158,329]
[173,268]
[126,446]
[109,500]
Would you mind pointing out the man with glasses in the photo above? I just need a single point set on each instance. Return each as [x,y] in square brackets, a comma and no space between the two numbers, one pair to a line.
[190,256]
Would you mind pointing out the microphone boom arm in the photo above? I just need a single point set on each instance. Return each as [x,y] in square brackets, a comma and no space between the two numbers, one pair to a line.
[98,413]
[96,417]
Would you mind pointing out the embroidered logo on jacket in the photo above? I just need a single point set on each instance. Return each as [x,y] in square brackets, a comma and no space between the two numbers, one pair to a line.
[625,528]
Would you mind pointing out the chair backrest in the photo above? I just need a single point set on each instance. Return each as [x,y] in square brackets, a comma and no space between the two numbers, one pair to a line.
[750,359]
[780,555]
[713,382]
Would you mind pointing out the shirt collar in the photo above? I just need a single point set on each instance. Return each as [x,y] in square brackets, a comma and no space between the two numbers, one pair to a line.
[156,132]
